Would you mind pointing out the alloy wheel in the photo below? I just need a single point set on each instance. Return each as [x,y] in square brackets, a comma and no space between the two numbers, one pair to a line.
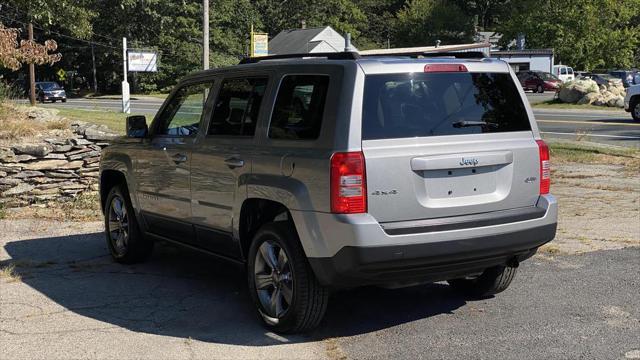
[273,280]
[118,225]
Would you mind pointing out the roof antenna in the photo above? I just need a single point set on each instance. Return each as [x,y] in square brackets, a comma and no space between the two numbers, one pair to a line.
[347,43]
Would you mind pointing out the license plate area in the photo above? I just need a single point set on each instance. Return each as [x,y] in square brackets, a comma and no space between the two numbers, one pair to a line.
[453,183]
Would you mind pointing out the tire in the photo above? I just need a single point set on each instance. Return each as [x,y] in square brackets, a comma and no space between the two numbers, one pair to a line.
[125,240]
[540,89]
[64,100]
[304,306]
[635,108]
[492,281]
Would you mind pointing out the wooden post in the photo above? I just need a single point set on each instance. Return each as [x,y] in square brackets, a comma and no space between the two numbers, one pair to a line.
[32,73]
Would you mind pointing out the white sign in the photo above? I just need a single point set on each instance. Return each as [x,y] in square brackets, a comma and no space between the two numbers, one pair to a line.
[142,61]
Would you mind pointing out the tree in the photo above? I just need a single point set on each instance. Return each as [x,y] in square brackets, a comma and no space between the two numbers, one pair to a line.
[586,34]
[14,54]
[423,22]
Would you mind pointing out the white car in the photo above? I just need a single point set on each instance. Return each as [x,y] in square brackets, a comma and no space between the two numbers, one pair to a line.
[632,102]
[564,73]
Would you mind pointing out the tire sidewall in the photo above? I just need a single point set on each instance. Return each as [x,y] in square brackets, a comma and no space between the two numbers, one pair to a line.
[279,234]
[138,247]
[634,105]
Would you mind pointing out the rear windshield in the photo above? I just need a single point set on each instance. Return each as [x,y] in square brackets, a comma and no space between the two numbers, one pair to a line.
[433,104]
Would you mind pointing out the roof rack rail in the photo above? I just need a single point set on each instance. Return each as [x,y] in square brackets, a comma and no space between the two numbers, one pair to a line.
[329,55]
[457,55]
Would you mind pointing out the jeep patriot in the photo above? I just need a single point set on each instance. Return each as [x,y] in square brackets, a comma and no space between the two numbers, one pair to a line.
[324,171]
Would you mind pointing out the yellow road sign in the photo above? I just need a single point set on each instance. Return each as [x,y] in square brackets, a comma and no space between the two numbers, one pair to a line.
[62,75]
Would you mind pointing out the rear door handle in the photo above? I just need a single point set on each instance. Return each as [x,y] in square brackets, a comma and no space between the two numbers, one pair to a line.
[234,163]
[179,158]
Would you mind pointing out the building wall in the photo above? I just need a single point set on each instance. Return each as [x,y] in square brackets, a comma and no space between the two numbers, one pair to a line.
[536,62]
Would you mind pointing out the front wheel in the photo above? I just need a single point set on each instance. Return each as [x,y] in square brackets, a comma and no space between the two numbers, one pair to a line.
[540,89]
[492,281]
[282,285]
[635,109]
[125,241]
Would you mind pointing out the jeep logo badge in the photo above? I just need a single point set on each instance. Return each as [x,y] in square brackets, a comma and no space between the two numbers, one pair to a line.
[469,162]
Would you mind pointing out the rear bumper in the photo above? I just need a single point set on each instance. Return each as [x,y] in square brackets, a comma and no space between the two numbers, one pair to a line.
[362,253]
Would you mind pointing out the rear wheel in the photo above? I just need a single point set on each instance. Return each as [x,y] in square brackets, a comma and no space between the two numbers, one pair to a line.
[282,285]
[125,241]
[492,281]
[540,89]
[635,109]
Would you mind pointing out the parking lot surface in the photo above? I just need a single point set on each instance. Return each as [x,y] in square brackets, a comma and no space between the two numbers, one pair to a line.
[66,299]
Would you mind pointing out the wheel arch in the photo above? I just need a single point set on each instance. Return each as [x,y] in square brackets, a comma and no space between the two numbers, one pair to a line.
[256,212]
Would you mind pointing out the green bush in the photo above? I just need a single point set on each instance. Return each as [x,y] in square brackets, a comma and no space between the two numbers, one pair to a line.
[8,91]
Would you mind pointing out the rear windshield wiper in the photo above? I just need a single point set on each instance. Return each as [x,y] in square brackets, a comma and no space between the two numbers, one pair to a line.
[464,123]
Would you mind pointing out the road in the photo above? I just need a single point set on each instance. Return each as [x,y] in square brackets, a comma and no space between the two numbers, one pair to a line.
[72,302]
[613,127]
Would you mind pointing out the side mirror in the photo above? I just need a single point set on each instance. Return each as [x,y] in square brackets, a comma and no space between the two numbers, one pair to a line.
[137,126]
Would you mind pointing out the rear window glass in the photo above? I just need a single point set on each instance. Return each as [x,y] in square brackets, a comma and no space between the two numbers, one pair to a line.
[432,104]
[297,114]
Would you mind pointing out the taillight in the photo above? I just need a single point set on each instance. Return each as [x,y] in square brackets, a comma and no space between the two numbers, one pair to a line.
[545,167]
[437,68]
[348,183]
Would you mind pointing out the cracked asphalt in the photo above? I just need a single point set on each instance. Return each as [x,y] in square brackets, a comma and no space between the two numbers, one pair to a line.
[67,300]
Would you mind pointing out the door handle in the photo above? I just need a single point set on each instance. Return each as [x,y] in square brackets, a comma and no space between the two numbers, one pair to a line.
[179,158]
[234,163]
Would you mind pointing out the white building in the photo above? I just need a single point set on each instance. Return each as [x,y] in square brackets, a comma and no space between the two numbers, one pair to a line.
[303,41]
[531,59]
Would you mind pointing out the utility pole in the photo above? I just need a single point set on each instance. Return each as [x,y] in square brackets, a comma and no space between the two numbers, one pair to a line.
[95,78]
[32,73]
[126,101]
[205,34]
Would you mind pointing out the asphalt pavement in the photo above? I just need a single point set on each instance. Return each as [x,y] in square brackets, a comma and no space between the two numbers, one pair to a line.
[72,301]
[614,127]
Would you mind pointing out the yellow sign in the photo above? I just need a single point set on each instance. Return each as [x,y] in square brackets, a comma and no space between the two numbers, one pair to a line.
[259,44]
[62,75]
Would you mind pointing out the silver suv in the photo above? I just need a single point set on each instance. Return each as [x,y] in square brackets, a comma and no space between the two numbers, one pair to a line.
[338,170]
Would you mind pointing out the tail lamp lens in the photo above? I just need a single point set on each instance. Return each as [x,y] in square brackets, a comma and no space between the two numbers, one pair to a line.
[348,183]
[545,167]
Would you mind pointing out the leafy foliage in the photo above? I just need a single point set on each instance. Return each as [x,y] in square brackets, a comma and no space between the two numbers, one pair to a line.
[12,55]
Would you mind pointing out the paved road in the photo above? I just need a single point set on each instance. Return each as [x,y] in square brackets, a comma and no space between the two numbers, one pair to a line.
[74,302]
[611,127]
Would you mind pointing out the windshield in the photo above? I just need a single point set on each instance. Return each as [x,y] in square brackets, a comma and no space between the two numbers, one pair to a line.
[432,104]
[50,86]
[547,77]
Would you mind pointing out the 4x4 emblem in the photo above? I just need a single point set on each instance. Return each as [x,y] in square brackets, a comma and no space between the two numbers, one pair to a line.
[469,162]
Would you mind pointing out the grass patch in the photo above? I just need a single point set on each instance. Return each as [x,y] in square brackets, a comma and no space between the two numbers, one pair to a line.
[15,125]
[557,104]
[562,152]
[113,120]
[85,207]
[8,273]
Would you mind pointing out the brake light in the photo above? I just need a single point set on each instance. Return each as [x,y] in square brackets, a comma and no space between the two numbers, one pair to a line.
[545,167]
[348,183]
[438,68]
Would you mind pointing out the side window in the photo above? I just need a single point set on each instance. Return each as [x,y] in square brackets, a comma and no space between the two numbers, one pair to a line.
[182,115]
[297,114]
[563,71]
[237,107]
[570,71]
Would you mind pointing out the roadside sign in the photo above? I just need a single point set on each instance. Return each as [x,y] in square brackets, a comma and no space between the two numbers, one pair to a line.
[259,44]
[142,60]
[62,75]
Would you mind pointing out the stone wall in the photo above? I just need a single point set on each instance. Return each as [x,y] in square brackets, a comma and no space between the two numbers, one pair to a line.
[52,169]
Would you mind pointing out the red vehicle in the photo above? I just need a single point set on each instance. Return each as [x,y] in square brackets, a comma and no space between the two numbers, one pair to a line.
[539,81]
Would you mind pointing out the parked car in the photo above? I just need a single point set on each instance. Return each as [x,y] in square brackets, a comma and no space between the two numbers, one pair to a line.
[50,91]
[604,79]
[538,81]
[399,171]
[564,73]
[627,77]
[632,101]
